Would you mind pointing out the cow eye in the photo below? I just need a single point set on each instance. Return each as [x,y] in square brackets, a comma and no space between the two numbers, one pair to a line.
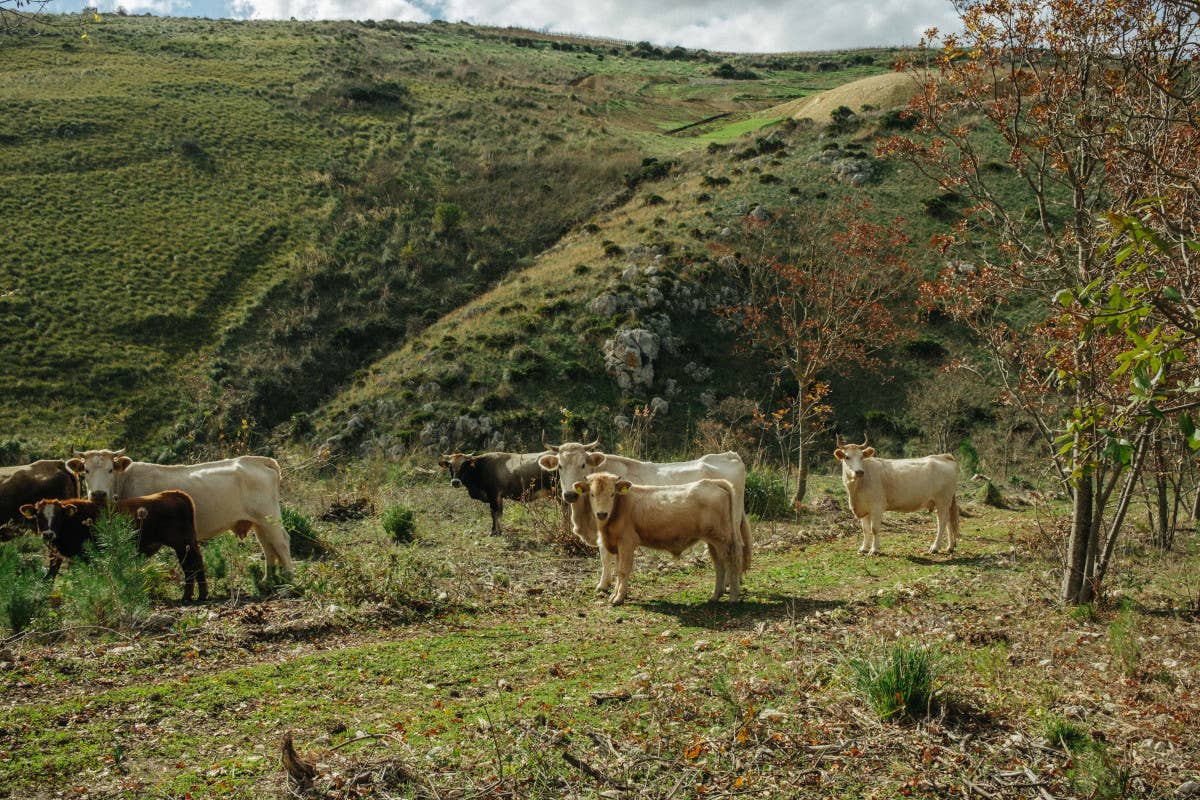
[110,469]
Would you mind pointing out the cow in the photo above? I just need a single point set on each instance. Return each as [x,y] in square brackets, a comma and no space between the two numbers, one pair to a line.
[29,483]
[492,477]
[237,494]
[573,462]
[671,518]
[165,519]
[874,485]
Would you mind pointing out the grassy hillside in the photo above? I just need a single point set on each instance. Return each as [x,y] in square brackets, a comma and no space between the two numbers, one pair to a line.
[220,221]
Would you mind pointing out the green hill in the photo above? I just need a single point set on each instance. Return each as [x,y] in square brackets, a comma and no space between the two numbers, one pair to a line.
[228,231]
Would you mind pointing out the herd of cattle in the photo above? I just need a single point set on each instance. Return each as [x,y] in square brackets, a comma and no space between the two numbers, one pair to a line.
[615,504]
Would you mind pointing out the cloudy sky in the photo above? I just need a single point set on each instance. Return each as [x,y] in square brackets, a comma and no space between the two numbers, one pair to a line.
[739,25]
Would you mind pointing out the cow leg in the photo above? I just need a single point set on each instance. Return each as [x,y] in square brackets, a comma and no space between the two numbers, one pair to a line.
[497,504]
[624,570]
[718,559]
[865,522]
[192,563]
[735,567]
[942,516]
[876,521]
[608,566]
[276,547]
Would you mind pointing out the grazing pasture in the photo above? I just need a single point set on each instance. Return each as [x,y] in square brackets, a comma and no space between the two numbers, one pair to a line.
[465,665]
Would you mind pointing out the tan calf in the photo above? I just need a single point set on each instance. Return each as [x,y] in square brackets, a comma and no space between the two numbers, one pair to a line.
[671,518]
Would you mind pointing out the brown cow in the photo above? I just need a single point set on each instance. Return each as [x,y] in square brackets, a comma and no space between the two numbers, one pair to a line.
[29,483]
[671,518]
[166,519]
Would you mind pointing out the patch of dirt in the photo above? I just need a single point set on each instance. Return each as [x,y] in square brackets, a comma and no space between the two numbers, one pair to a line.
[888,91]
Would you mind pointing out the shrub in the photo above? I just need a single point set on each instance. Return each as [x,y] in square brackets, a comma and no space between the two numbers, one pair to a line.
[968,457]
[111,588]
[766,494]
[400,523]
[1123,641]
[305,541]
[23,592]
[898,685]
[1059,731]
[226,562]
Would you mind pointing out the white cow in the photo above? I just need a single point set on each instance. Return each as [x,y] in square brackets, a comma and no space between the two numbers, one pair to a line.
[237,494]
[671,518]
[875,485]
[575,461]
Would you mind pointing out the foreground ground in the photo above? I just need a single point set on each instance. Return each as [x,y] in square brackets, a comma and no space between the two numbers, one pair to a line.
[464,666]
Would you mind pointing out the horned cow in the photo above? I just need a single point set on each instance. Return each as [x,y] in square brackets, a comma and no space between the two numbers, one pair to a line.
[574,462]
[236,494]
[671,518]
[492,477]
[874,485]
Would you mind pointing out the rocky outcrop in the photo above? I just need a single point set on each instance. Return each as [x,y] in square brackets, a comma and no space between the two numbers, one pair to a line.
[629,357]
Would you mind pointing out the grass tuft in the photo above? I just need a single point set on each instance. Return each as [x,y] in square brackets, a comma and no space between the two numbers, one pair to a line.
[898,685]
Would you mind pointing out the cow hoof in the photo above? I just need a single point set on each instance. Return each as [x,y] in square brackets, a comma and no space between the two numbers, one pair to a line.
[872,552]
[933,551]
[862,551]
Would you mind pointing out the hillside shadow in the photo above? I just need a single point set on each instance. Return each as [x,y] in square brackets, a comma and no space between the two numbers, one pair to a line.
[724,615]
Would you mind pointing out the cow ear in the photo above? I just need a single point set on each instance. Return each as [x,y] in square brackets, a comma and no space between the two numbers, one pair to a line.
[548,463]
[623,486]
[580,487]
[595,459]
[870,451]
[71,509]
[471,463]
[122,462]
[444,462]
[76,465]
[839,454]
[28,511]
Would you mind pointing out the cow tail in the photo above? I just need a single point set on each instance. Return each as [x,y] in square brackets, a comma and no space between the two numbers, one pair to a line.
[954,516]
[743,529]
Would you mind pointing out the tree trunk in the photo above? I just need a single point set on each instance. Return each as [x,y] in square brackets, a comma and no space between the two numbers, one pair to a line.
[1075,567]
[1162,534]
[802,456]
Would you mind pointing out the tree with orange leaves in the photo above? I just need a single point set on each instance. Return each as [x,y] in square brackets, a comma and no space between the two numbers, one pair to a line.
[1085,289]
[818,292]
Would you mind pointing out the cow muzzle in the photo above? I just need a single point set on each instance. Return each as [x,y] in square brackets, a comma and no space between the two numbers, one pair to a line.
[601,515]
[99,497]
[858,473]
[570,497]
[456,483]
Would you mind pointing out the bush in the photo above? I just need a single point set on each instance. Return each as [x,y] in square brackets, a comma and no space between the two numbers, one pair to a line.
[1123,641]
[111,588]
[400,523]
[23,592]
[226,562]
[1060,732]
[766,494]
[305,542]
[898,685]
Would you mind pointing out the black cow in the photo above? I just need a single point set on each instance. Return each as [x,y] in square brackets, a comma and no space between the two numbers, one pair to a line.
[491,477]
[165,519]
[29,483]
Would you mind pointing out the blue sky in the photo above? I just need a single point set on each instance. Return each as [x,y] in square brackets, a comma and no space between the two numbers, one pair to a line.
[746,25]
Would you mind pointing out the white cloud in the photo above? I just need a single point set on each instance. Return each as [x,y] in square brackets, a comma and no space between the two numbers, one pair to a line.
[738,25]
[328,9]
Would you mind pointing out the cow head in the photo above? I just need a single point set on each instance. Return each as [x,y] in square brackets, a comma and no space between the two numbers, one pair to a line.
[57,524]
[851,456]
[573,462]
[602,489]
[103,470]
[454,463]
